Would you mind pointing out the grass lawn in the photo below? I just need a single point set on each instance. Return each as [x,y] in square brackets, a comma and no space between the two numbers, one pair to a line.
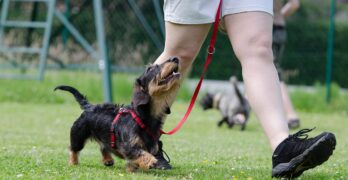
[34,138]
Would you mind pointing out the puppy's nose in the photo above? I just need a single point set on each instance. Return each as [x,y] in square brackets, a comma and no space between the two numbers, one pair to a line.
[174,59]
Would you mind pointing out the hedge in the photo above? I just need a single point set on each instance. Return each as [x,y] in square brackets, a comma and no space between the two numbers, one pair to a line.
[304,57]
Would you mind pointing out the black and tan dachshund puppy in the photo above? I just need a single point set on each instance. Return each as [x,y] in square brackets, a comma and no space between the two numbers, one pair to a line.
[136,142]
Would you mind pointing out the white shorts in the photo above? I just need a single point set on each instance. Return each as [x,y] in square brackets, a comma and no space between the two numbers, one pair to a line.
[203,11]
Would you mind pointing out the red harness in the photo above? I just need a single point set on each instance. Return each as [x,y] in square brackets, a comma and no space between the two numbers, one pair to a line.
[123,111]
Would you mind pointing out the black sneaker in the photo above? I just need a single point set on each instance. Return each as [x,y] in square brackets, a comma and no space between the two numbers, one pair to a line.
[295,154]
[162,163]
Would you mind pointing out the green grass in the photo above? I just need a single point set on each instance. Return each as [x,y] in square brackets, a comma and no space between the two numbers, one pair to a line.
[34,140]
[35,124]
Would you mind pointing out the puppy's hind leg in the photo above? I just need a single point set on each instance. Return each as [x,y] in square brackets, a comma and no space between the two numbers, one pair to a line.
[243,126]
[241,119]
[230,122]
[78,136]
[107,158]
[222,121]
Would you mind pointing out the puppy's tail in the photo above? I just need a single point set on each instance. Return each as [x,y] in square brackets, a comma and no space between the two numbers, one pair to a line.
[234,82]
[81,99]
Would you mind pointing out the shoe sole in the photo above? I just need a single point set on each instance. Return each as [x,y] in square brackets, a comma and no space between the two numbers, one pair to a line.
[315,155]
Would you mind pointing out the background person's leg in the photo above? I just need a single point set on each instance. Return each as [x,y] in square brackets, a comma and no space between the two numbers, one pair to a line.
[251,37]
[289,108]
[278,46]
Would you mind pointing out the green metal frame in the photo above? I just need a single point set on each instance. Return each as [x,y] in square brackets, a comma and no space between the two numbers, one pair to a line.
[76,34]
[65,33]
[330,49]
[159,15]
[100,55]
[46,25]
[104,64]
[150,32]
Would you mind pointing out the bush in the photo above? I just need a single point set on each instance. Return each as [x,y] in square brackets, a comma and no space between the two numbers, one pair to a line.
[315,100]
[304,59]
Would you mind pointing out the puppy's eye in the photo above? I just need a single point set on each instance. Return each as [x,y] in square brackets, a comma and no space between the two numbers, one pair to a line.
[148,69]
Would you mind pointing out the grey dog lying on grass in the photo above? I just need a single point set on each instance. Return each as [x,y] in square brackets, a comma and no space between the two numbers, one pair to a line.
[233,106]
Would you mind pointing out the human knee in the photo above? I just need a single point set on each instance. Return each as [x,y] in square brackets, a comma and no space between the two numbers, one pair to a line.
[258,47]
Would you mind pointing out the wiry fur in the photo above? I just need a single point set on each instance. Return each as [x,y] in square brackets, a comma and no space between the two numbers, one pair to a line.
[233,106]
[132,142]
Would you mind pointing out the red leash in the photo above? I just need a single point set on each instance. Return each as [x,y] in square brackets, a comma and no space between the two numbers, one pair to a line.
[211,51]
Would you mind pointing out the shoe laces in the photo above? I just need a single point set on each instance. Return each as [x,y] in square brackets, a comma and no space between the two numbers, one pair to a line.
[301,141]
[167,157]
[301,135]
[160,155]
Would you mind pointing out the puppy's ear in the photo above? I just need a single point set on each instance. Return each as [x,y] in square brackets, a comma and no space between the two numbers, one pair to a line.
[140,97]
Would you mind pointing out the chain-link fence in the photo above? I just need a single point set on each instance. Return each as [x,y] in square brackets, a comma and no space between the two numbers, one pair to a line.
[133,32]
[134,38]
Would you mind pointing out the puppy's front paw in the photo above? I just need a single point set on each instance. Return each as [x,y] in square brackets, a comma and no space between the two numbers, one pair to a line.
[130,167]
[153,164]
[145,161]
[148,163]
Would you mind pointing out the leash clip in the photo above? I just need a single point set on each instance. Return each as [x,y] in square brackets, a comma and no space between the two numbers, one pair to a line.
[211,49]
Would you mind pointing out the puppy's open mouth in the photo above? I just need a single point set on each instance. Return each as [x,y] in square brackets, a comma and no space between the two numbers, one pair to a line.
[173,74]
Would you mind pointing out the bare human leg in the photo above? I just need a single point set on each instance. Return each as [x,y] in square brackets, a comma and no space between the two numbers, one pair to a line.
[251,37]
